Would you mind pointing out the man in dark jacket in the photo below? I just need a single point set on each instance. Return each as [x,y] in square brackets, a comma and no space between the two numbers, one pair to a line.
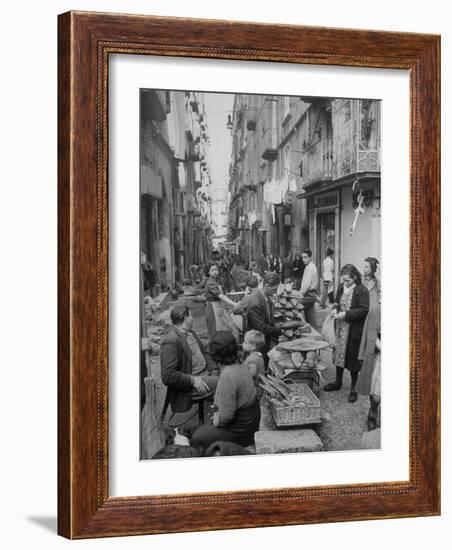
[260,311]
[185,365]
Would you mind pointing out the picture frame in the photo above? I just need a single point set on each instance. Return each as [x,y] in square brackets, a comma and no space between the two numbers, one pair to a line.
[86,40]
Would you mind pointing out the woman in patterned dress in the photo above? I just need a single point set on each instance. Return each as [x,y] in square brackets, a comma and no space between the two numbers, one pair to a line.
[351,307]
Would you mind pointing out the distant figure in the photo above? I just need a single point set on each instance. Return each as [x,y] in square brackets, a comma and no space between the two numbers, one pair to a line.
[264,265]
[224,274]
[254,271]
[275,264]
[328,278]
[149,275]
[297,271]
[287,267]
[371,281]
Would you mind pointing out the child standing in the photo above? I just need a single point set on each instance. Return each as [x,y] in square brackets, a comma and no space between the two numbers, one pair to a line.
[253,343]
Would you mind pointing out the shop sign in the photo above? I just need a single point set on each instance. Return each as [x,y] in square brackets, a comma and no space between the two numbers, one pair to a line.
[325,201]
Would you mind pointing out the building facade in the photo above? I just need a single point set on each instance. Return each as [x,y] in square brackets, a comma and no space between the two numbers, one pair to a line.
[176,214]
[341,179]
[264,215]
[305,173]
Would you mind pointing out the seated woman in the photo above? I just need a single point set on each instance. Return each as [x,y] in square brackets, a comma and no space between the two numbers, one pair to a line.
[238,413]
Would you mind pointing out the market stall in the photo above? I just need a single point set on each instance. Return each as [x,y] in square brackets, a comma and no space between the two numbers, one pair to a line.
[291,387]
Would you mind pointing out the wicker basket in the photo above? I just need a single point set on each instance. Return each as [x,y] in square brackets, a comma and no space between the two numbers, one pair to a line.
[287,416]
[310,377]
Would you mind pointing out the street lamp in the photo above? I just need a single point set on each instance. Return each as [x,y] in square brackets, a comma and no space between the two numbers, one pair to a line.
[229,124]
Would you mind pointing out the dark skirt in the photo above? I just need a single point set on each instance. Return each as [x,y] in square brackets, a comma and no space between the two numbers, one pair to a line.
[351,355]
[210,320]
[246,420]
[241,430]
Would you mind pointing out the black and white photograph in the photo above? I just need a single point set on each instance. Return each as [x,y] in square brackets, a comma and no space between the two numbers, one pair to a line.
[260,271]
[195,191]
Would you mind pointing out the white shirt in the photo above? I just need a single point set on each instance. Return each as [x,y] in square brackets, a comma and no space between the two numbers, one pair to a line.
[310,279]
[328,269]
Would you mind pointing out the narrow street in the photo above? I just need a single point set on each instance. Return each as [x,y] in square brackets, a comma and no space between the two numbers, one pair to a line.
[237,188]
[343,423]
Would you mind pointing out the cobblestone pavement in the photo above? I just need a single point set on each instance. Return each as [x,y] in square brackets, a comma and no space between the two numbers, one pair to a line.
[347,421]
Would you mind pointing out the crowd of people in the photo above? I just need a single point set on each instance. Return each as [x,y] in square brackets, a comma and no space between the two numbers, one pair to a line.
[228,370]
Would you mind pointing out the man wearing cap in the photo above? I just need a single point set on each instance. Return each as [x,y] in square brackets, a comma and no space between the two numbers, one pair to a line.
[185,365]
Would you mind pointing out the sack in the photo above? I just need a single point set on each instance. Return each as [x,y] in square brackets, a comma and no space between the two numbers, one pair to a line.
[328,330]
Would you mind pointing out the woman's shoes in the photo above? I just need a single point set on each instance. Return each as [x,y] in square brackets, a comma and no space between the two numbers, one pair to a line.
[352,396]
[332,386]
[371,424]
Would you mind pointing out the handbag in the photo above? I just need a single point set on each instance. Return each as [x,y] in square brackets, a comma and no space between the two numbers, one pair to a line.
[328,331]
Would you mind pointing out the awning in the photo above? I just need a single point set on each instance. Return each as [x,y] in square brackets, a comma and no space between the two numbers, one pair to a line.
[151,183]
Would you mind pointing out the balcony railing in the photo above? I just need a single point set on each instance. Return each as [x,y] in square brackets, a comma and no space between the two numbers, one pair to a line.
[318,162]
[349,159]
[356,127]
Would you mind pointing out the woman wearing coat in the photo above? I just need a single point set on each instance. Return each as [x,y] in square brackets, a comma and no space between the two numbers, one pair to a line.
[351,308]
[370,355]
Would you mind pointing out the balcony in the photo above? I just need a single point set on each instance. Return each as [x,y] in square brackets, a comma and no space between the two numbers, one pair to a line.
[357,145]
[352,160]
[318,162]
[270,146]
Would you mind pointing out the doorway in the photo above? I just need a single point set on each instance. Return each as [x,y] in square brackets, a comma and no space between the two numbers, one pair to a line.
[326,237]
